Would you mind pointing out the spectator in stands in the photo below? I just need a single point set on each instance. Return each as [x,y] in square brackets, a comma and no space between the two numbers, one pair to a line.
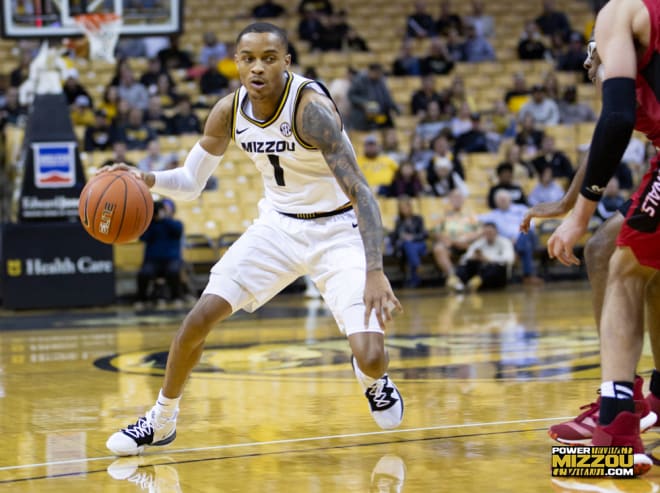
[507,218]
[355,42]
[461,122]
[131,90]
[212,82]
[166,93]
[518,95]
[456,45]
[406,182]
[185,121]
[212,49]
[334,31]
[97,136]
[406,63]
[488,260]
[162,254]
[505,182]
[477,48]
[444,171]
[21,73]
[549,156]
[448,19]
[611,200]
[409,239]
[424,95]
[530,46]
[318,6]
[432,122]
[121,118]
[551,86]
[546,190]
[484,25]
[227,65]
[571,111]
[391,146]
[420,152]
[457,94]
[378,169]
[155,117]
[372,104]
[339,88]
[420,23]
[503,123]
[11,110]
[452,236]
[268,10]
[149,79]
[572,60]
[81,111]
[110,102]
[173,57]
[522,169]
[543,110]
[529,138]
[118,154]
[553,21]
[154,160]
[438,61]
[475,139]
[135,133]
[73,88]
[310,29]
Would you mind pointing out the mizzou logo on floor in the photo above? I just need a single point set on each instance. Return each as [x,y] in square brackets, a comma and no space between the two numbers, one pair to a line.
[14,267]
[450,356]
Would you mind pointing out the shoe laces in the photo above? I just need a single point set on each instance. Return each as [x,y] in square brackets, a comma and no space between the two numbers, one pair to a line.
[591,409]
[143,428]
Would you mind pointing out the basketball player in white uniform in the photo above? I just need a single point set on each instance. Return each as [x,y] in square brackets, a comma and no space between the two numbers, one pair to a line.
[318,218]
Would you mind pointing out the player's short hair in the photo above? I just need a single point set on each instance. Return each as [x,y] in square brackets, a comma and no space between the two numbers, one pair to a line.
[265,27]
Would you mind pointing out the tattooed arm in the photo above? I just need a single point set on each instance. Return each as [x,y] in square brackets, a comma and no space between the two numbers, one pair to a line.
[319,124]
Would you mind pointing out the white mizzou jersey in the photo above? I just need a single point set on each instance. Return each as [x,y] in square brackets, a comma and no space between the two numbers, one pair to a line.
[296,176]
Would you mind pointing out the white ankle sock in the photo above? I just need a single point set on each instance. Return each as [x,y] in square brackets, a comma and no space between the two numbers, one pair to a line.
[165,406]
[364,379]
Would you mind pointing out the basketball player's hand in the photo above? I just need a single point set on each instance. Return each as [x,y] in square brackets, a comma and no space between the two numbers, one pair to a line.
[544,209]
[562,241]
[378,296]
[148,178]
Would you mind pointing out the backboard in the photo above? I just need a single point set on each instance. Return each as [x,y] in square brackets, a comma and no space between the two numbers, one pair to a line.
[54,18]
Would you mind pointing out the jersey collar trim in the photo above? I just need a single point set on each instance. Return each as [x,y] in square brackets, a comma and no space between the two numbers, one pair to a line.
[280,106]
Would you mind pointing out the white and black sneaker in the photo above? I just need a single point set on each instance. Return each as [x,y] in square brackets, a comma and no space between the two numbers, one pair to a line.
[149,431]
[385,401]
[156,478]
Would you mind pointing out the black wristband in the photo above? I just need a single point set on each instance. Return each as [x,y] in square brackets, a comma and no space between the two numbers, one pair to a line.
[611,135]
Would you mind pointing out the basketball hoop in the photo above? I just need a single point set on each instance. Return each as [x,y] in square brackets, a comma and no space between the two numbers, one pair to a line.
[102,31]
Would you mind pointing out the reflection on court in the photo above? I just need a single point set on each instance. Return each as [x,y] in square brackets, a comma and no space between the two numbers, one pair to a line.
[274,406]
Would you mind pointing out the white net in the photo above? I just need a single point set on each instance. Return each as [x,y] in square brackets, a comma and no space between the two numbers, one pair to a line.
[102,32]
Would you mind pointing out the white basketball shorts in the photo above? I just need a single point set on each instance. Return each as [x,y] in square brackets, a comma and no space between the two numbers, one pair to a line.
[276,249]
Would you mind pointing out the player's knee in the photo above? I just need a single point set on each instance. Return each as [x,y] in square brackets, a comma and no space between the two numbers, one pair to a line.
[597,253]
[372,361]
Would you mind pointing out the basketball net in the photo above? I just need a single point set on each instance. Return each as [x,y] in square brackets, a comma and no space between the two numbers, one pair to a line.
[102,32]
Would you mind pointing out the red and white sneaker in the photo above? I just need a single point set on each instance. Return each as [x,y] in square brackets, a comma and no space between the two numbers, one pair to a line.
[624,431]
[580,429]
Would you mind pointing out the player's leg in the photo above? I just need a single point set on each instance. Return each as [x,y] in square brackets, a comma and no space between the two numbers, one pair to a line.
[253,270]
[622,337]
[337,265]
[597,254]
[652,302]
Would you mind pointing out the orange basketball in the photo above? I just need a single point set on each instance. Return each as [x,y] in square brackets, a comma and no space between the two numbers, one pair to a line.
[115,207]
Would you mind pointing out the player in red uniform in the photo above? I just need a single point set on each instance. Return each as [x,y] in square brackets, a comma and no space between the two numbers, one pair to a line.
[628,39]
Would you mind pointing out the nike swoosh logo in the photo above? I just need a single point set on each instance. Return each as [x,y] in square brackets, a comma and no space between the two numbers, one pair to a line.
[240,131]
[354,225]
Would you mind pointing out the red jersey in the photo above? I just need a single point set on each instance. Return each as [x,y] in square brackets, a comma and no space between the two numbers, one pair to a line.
[648,80]
[641,230]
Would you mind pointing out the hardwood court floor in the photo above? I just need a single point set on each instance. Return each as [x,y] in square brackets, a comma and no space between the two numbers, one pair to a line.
[274,407]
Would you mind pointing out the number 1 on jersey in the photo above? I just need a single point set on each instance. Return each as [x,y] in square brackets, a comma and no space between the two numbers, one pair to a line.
[279,171]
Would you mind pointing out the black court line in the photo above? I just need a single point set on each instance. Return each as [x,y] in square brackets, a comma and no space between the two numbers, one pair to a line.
[270,454]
